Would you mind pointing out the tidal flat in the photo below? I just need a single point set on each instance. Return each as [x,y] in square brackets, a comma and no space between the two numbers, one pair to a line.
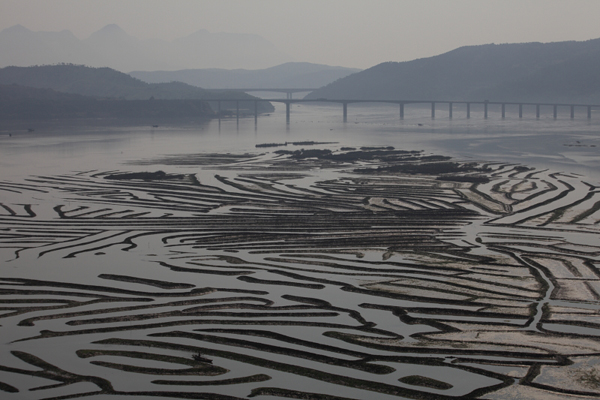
[308,273]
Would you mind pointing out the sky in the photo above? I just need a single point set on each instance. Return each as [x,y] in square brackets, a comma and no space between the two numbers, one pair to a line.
[349,33]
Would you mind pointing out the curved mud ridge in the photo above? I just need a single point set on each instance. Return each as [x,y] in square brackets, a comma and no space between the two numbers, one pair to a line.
[334,274]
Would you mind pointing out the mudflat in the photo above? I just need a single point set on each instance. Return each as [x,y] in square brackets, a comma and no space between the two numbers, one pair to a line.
[333,273]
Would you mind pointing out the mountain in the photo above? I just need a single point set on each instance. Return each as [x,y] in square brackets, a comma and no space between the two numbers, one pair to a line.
[111,46]
[288,75]
[78,79]
[203,49]
[21,103]
[529,72]
[20,46]
[16,93]
[108,83]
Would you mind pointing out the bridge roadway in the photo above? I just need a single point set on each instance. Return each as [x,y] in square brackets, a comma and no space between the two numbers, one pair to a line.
[288,91]
[288,102]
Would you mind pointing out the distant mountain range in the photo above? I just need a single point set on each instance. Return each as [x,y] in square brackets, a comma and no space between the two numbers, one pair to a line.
[52,83]
[288,75]
[27,104]
[112,47]
[564,72]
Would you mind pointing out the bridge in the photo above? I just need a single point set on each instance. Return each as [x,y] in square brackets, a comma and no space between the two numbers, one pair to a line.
[402,103]
[288,91]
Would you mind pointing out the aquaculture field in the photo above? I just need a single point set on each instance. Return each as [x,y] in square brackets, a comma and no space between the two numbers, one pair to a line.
[301,272]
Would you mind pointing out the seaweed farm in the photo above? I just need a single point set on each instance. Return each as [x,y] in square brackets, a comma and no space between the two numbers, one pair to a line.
[324,273]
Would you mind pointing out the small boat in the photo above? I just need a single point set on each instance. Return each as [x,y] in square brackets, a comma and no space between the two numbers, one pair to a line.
[198,357]
[30,130]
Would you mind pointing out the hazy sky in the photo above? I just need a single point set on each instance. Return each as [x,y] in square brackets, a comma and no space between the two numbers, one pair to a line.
[352,33]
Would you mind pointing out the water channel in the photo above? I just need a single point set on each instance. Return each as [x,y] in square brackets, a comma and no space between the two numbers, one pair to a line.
[335,273]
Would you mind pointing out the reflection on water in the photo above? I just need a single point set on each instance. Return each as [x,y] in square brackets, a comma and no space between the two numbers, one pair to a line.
[563,144]
[336,273]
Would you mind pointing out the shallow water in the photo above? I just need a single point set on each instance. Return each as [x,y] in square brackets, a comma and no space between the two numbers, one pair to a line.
[562,144]
[271,266]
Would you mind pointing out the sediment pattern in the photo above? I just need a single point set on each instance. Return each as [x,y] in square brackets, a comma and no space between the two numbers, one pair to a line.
[351,274]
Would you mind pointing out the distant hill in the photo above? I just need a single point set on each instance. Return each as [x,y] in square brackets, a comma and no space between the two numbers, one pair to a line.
[113,47]
[16,93]
[34,104]
[544,72]
[288,75]
[111,84]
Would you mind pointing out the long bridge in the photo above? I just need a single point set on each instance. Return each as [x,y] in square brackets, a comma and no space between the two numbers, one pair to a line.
[288,91]
[402,103]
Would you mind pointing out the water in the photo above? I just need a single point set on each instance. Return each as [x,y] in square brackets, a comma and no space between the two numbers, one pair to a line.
[273,278]
[561,144]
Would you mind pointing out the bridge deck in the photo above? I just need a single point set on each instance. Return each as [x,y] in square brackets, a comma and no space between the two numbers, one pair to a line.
[402,103]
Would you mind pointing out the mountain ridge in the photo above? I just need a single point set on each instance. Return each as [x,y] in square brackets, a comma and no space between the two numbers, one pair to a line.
[526,72]
[28,104]
[287,75]
[113,47]
[107,83]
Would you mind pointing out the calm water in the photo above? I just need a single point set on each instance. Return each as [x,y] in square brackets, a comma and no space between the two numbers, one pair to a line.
[562,144]
[93,244]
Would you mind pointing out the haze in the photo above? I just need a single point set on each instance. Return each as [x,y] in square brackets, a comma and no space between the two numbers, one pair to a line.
[350,33]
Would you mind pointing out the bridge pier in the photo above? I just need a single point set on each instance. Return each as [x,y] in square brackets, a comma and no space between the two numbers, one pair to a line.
[288,95]
[401,104]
